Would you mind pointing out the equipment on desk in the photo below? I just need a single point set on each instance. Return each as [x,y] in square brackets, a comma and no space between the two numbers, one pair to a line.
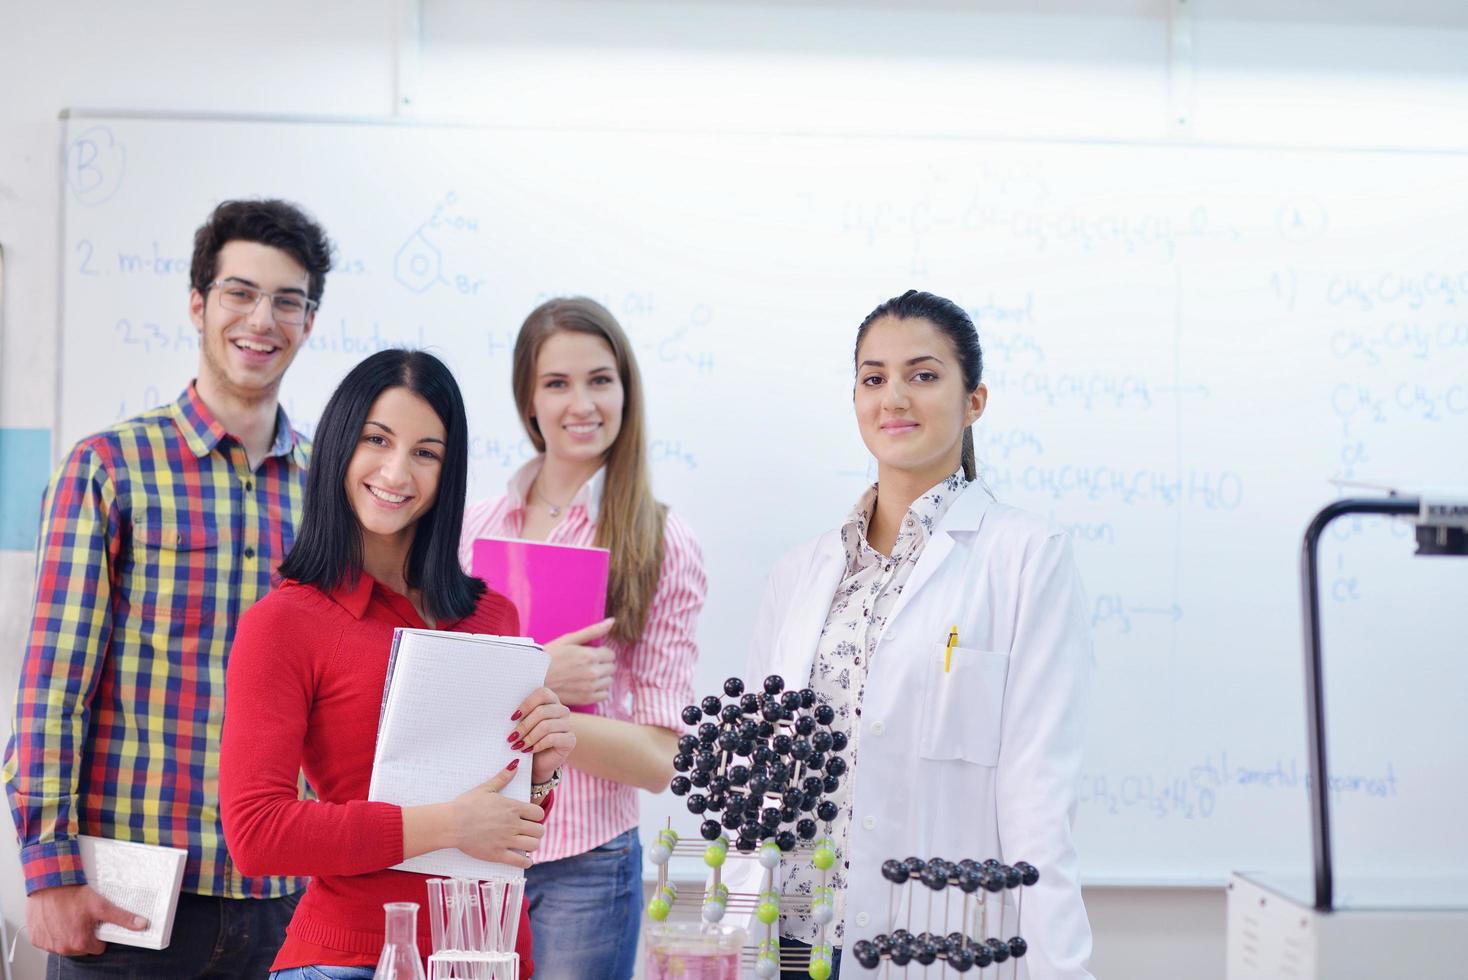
[1381,928]
[977,943]
[473,926]
[399,959]
[766,760]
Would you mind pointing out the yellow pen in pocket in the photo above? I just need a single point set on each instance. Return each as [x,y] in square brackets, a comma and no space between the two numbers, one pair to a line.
[948,653]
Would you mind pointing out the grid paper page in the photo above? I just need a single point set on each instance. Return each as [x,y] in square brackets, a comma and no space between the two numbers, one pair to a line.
[446,712]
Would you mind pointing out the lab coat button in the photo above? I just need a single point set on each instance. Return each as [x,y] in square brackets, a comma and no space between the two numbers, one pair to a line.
[869,823]
[878,728]
[862,918]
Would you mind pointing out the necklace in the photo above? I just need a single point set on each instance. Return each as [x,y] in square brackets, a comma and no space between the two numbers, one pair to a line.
[553,509]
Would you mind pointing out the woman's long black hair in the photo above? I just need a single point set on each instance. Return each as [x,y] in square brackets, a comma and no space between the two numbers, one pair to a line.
[328,547]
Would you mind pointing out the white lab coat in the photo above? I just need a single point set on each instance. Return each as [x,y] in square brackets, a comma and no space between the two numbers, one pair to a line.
[979,762]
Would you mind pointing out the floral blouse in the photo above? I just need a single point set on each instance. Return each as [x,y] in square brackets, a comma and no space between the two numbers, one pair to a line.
[868,591]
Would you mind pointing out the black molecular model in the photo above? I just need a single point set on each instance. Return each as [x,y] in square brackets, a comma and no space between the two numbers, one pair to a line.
[970,946]
[760,765]
[758,770]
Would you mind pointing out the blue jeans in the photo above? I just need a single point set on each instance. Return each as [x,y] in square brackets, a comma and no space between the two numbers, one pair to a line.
[214,938]
[324,973]
[585,911]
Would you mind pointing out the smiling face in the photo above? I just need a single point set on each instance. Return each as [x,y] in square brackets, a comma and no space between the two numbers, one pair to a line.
[578,396]
[393,476]
[244,355]
[911,404]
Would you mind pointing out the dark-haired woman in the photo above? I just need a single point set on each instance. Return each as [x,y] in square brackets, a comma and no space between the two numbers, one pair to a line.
[971,752]
[579,394]
[377,550]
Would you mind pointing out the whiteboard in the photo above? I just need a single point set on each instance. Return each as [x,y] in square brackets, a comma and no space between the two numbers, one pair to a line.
[1184,346]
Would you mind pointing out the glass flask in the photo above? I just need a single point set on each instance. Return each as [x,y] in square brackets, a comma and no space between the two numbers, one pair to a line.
[692,951]
[399,959]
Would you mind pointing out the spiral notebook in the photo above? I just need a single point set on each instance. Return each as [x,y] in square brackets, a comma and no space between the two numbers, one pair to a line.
[446,710]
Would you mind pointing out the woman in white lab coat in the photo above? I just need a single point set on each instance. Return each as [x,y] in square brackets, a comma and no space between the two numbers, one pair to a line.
[968,754]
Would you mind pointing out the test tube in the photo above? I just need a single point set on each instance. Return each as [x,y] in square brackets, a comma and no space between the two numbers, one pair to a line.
[435,912]
[514,895]
[492,899]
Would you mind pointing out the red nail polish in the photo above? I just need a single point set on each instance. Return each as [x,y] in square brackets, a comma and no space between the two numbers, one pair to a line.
[513,764]
[513,736]
[519,745]
[516,715]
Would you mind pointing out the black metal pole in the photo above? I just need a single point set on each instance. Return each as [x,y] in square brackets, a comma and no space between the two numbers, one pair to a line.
[1314,688]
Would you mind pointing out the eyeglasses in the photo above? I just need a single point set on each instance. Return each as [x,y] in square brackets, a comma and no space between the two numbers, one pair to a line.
[290,309]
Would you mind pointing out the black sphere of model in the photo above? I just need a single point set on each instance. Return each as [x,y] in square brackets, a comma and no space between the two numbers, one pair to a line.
[961,958]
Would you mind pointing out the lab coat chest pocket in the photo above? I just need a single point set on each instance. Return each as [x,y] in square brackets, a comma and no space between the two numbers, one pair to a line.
[963,707]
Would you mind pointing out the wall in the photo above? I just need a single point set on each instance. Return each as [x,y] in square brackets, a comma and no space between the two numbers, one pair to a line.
[1349,73]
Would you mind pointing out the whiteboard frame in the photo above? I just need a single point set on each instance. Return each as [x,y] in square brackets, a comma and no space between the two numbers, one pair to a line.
[68,115]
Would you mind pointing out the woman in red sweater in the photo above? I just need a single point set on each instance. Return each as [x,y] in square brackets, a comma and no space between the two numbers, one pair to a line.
[377,550]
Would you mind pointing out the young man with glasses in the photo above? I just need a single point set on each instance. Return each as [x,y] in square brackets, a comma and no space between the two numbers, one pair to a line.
[159,532]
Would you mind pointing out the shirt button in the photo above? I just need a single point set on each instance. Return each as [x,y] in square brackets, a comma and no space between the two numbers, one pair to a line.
[862,918]
[869,823]
[249,486]
[909,522]
[249,552]
[878,728]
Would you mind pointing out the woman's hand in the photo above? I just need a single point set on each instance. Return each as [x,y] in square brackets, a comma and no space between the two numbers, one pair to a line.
[579,673]
[496,828]
[544,729]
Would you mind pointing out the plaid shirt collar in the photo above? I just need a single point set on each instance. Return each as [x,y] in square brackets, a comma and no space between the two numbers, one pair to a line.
[203,432]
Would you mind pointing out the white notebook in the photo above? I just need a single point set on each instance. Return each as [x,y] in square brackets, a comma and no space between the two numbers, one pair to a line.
[445,714]
[143,878]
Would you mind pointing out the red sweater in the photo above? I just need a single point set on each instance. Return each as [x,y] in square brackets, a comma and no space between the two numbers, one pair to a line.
[303,693]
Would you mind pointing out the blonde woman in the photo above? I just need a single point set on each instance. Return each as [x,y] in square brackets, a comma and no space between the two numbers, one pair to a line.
[579,395]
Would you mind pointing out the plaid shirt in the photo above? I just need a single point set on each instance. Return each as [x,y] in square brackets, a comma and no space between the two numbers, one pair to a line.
[157,537]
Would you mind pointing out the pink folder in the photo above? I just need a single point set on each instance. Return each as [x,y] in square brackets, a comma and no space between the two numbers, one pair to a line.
[556,588]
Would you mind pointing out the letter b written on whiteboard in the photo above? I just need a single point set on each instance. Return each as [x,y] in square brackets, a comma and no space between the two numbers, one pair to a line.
[95,164]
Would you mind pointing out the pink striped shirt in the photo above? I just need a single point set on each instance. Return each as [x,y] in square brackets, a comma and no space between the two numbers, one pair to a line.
[653,679]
